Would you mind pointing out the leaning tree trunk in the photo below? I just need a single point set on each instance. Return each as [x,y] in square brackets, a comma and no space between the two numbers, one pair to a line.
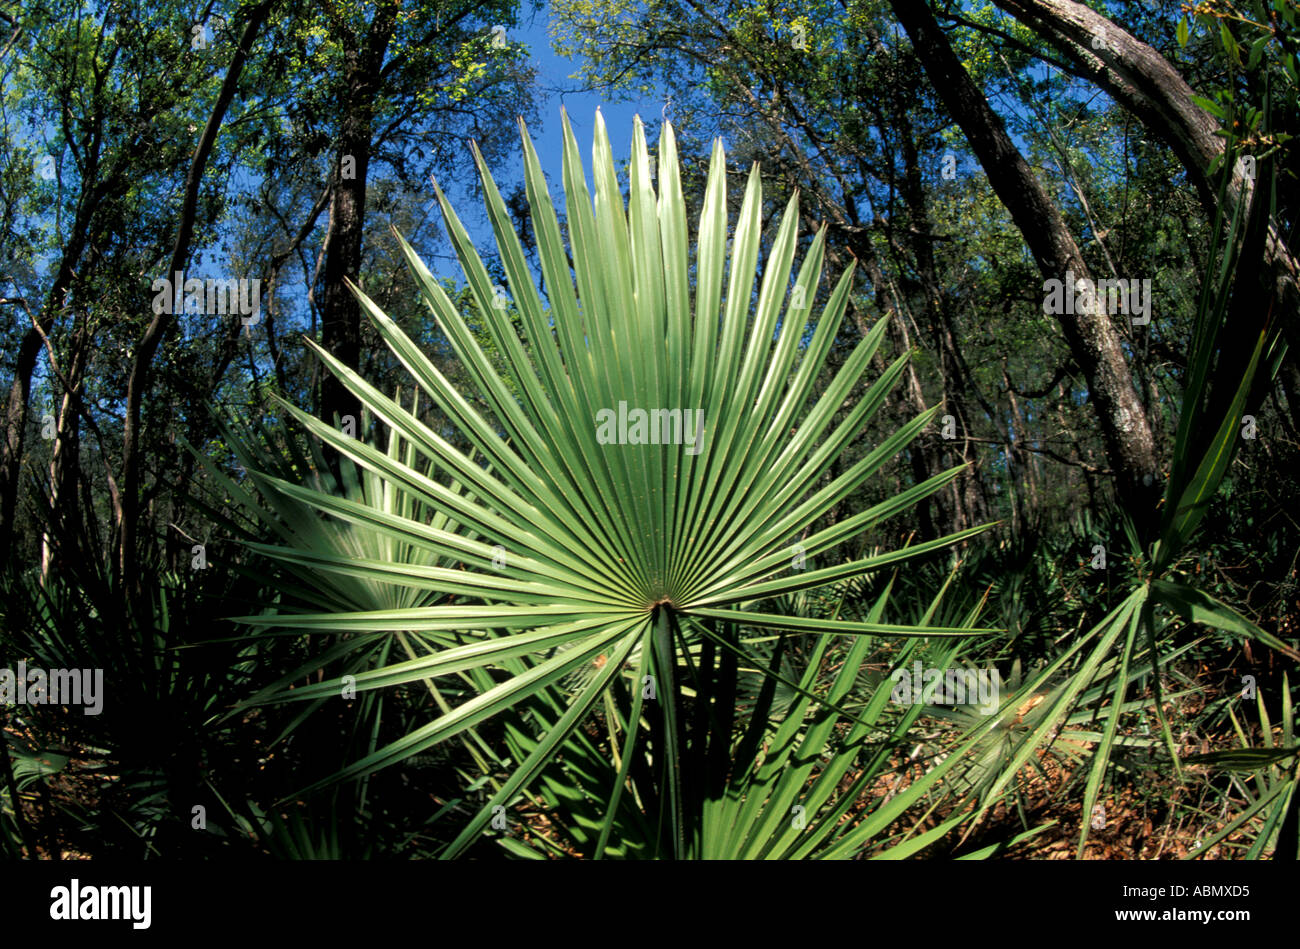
[20,388]
[968,504]
[138,382]
[1092,339]
[1147,86]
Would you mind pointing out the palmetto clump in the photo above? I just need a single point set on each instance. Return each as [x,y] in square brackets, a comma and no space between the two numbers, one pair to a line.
[568,552]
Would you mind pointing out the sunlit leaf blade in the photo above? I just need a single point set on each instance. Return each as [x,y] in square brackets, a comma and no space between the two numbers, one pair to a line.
[640,455]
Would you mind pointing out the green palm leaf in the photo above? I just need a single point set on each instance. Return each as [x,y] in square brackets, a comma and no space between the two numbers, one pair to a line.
[607,546]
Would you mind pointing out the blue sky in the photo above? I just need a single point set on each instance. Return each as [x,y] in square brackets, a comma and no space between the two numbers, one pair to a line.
[558,90]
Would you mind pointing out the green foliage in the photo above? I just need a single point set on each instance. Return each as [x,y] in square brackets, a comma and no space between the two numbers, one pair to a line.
[565,548]
[558,572]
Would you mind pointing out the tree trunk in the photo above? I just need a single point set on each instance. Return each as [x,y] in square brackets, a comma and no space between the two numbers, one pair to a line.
[340,312]
[1148,86]
[20,389]
[1091,337]
[66,457]
[138,382]
[920,457]
[968,508]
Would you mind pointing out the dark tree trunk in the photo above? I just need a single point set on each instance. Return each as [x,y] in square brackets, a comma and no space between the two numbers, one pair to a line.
[138,382]
[968,508]
[1147,86]
[340,312]
[1092,338]
[20,389]
[922,456]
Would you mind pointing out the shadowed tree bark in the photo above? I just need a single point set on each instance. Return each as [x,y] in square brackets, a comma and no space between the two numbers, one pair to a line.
[112,184]
[340,312]
[1146,85]
[1092,339]
[138,383]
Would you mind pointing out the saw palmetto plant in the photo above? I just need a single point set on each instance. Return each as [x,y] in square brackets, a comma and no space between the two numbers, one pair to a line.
[1222,385]
[652,473]
[1265,780]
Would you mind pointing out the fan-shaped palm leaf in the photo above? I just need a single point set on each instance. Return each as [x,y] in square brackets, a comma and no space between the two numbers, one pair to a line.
[568,537]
